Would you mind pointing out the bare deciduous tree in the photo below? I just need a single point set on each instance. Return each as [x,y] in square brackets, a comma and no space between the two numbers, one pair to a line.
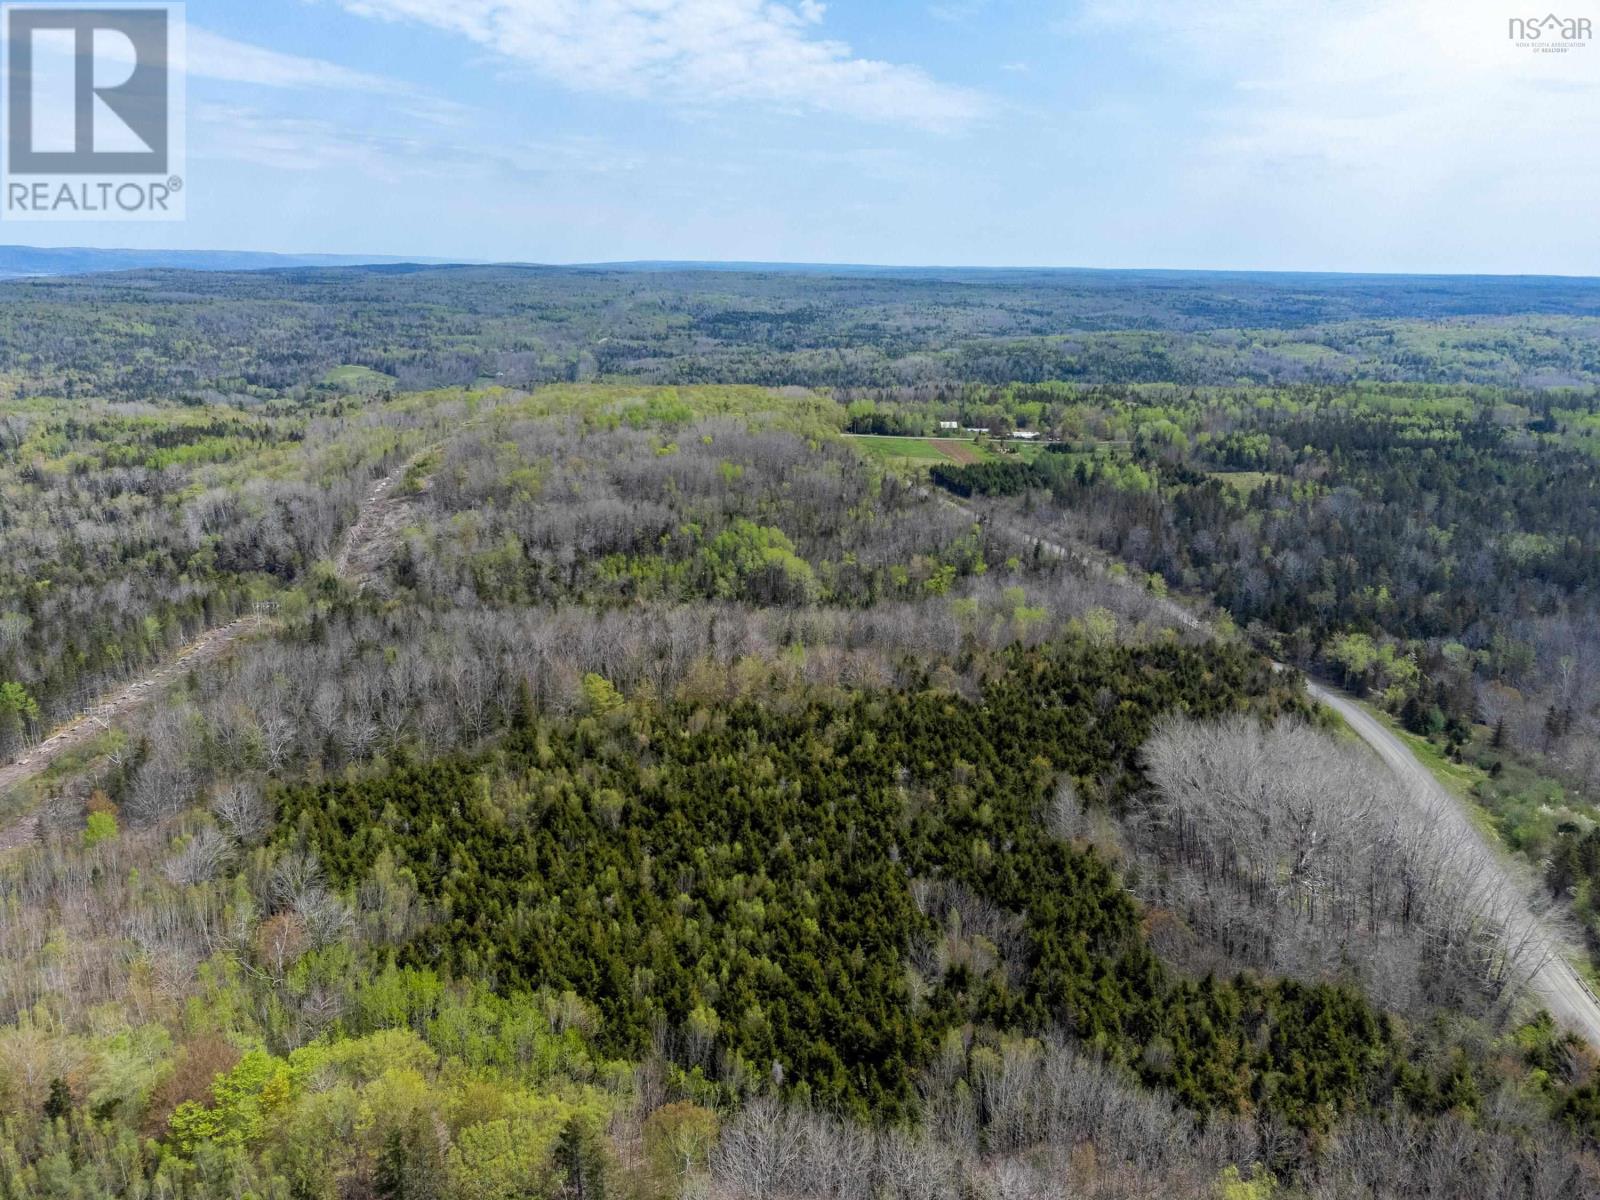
[200,858]
[242,810]
[1289,851]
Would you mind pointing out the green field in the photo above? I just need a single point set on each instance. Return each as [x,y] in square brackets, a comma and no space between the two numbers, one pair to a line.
[915,453]
[357,379]
[1244,482]
[1028,451]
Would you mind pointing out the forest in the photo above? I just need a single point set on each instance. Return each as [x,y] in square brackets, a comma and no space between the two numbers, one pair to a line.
[616,780]
[250,336]
[1433,552]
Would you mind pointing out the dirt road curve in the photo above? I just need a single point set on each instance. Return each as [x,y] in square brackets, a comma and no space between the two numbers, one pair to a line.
[374,521]
[1555,983]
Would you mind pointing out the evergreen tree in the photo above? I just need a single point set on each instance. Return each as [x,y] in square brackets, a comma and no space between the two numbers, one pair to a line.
[409,1166]
[580,1156]
[58,1105]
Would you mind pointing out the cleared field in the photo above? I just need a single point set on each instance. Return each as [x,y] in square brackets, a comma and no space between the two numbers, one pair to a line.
[357,378]
[1028,451]
[920,453]
[961,452]
[1244,481]
[886,448]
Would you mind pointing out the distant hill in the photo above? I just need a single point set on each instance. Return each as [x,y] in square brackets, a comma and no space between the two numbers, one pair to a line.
[1079,276]
[1369,295]
[25,261]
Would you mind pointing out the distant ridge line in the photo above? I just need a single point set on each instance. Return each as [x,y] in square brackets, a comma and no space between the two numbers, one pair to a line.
[22,262]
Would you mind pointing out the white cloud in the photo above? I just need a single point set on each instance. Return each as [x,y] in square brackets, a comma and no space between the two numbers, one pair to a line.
[1418,85]
[207,55]
[212,56]
[695,52]
[1416,121]
[303,144]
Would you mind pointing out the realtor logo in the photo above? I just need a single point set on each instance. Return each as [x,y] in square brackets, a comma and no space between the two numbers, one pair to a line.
[93,124]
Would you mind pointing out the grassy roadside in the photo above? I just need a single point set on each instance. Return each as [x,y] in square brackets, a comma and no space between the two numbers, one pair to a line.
[1460,779]
[1515,807]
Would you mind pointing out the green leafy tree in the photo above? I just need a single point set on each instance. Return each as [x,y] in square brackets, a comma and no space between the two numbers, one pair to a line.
[100,827]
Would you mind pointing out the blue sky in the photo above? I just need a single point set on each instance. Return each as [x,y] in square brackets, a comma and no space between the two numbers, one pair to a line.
[1411,135]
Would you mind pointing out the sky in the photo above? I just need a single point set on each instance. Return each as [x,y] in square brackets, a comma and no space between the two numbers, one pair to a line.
[1409,135]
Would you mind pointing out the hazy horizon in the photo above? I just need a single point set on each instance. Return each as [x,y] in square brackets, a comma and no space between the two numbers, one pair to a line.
[348,258]
[1250,135]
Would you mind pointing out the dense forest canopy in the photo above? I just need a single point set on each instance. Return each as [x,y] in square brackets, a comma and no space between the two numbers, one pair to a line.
[169,334]
[650,747]
[1434,549]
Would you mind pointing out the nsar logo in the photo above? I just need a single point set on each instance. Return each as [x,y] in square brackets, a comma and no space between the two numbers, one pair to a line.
[1550,33]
